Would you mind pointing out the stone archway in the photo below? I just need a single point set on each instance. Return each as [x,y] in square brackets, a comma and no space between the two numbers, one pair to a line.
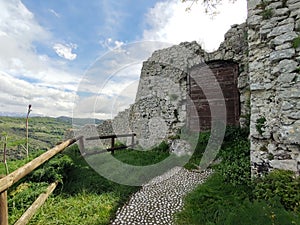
[226,72]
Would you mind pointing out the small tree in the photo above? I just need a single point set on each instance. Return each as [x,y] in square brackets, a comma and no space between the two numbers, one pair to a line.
[28,112]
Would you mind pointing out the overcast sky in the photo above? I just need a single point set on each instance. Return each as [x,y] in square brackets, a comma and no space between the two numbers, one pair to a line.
[50,47]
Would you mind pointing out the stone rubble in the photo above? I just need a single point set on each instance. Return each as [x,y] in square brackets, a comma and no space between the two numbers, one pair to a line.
[158,200]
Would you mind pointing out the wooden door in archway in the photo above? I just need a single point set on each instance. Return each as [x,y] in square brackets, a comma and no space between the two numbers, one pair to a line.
[198,110]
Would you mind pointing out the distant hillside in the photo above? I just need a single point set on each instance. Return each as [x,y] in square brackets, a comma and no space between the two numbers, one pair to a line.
[44,133]
[79,121]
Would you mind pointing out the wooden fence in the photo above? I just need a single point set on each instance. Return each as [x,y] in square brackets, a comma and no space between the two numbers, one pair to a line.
[7,181]
[112,148]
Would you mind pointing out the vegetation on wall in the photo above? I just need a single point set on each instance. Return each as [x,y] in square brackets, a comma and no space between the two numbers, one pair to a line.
[260,124]
[296,42]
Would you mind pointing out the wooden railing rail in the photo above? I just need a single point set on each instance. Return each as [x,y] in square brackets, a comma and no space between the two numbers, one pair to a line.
[10,179]
[112,147]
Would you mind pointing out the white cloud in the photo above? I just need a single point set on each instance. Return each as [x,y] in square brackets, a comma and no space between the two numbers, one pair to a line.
[27,76]
[170,22]
[54,13]
[111,45]
[65,51]
[19,30]
[16,94]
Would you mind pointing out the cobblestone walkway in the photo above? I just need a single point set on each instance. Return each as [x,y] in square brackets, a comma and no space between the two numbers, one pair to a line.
[157,201]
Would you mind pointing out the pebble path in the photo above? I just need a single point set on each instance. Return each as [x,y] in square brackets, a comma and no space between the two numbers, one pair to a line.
[158,200]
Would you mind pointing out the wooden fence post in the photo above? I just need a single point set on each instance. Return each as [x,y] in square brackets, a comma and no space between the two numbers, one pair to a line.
[132,140]
[3,207]
[81,144]
[112,145]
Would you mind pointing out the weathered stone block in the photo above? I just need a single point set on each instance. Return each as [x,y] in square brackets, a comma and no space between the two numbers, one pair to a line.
[282,54]
[290,2]
[283,46]
[257,87]
[290,134]
[285,66]
[253,4]
[286,105]
[289,36]
[295,6]
[286,77]
[288,164]
[281,30]
[289,20]
[294,115]
[289,93]
[254,20]
[281,12]
[274,5]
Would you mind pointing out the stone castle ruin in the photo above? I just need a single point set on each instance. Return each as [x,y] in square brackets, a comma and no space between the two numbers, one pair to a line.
[258,70]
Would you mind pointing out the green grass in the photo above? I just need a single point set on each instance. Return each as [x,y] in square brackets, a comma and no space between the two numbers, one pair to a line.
[21,196]
[83,196]
[140,158]
[83,208]
[219,203]
[229,196]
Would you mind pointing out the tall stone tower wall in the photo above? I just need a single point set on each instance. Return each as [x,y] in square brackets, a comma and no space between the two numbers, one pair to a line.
[274,67]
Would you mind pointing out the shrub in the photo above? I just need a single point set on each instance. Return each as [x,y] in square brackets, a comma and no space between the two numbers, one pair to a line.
[55,169]
[267,14]
[279,183]
[219,203]
[235,165]
[259,212]
[235,156]
[162,147]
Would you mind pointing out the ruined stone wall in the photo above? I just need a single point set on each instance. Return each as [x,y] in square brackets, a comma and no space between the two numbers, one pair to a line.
[274,66]
[159,110]
[267,51]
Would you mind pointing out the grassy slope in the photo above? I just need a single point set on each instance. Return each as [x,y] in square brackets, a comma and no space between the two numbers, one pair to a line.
[88,198]
[83,197]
